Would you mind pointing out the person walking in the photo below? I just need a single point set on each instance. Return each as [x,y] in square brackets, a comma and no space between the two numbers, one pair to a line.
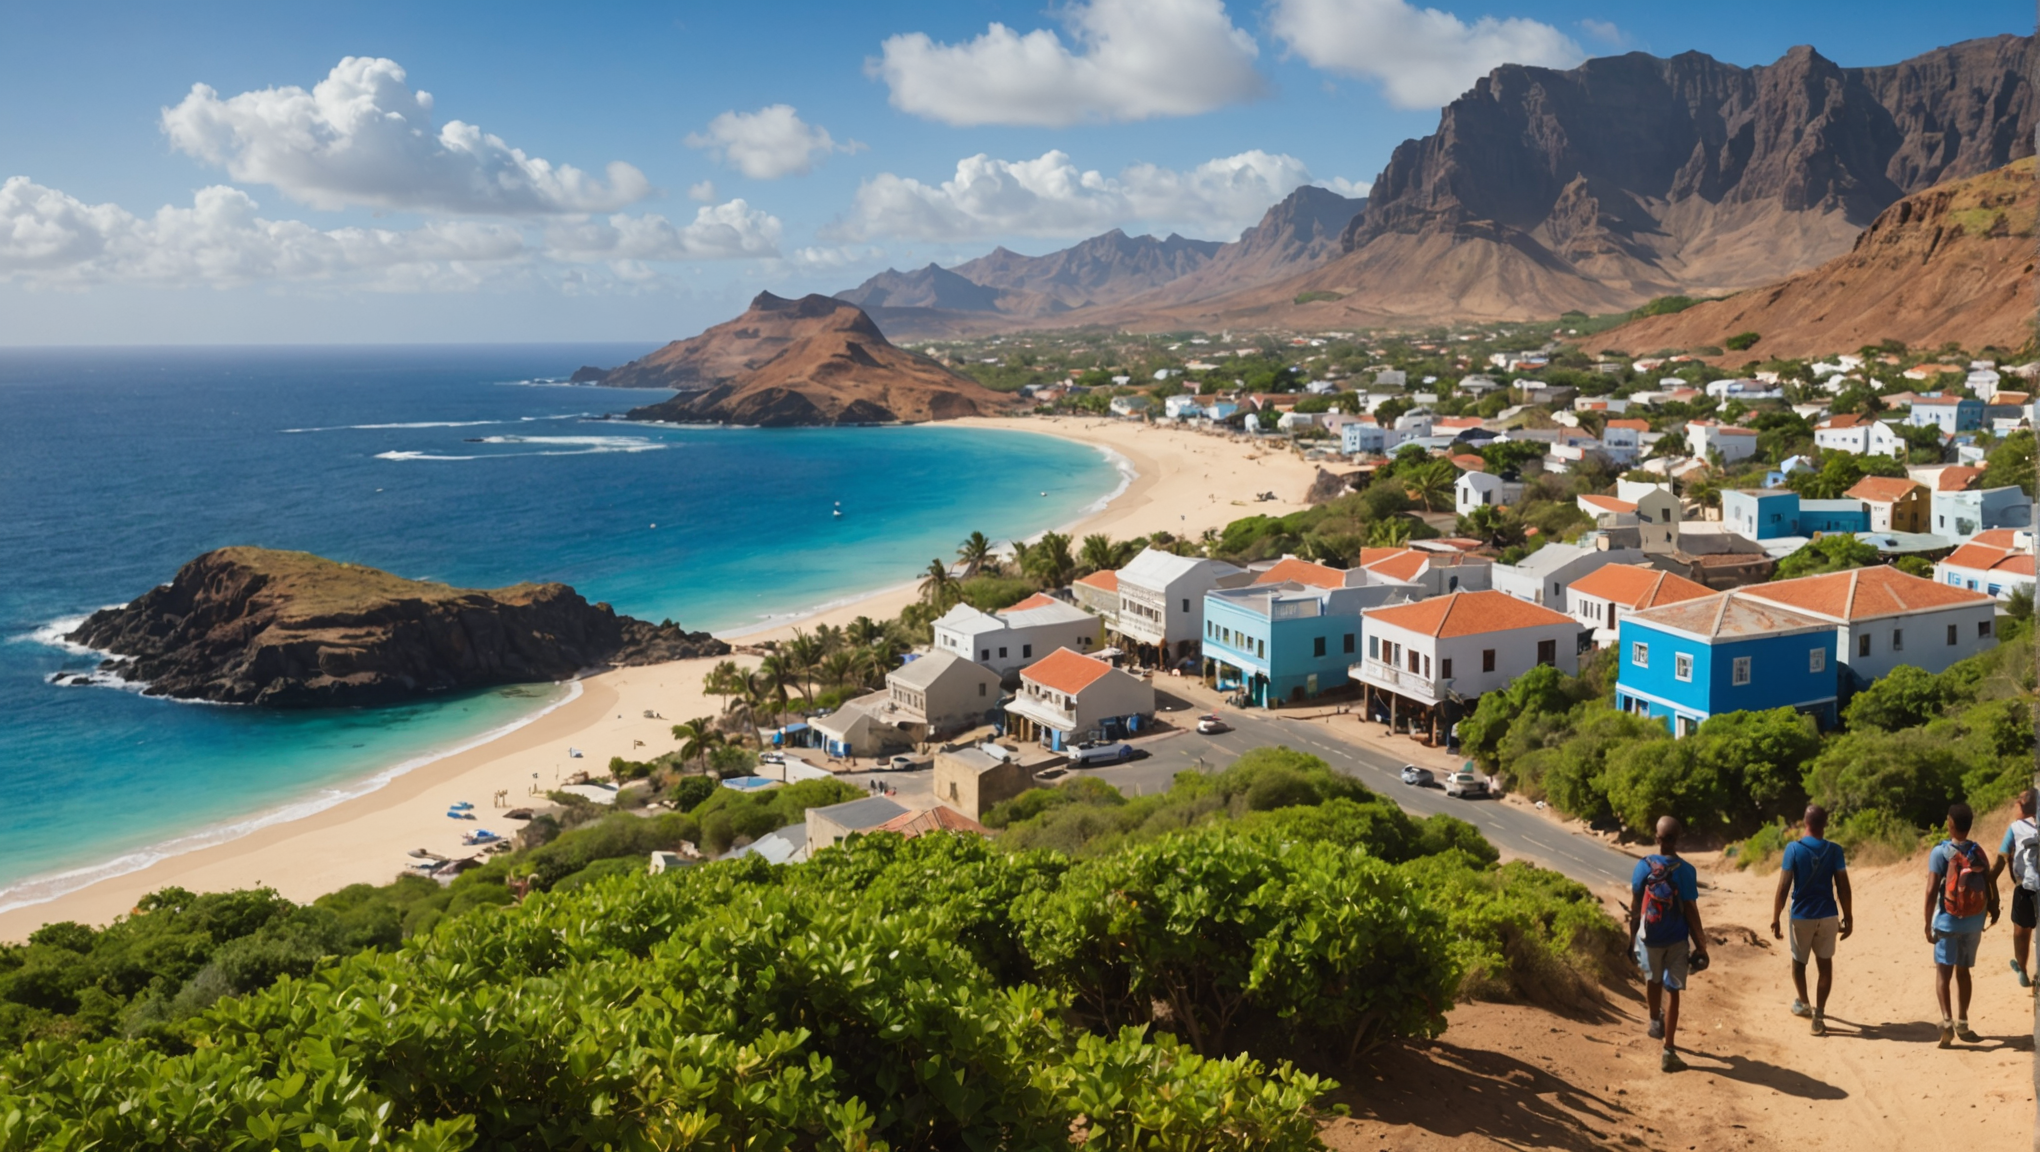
[1664,923]
[2015,854]
[1815,876]
[1959,894]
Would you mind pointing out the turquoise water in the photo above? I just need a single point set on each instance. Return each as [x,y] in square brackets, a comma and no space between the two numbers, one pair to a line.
[455,464]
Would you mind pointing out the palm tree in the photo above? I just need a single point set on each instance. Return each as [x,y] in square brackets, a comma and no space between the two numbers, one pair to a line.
[830,637]
[769,681]
[938,590]
[864,631]
[1099,553]
[1021,551]
[1430,483]
[976,552]
[874,661]
[839,669]
[1050,562]
[803,654]
[726,680]
[1393,532]
[698,738]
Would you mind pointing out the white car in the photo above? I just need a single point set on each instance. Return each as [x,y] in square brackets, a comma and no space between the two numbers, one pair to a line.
[1465,785]
[1088,754]
[1211,725]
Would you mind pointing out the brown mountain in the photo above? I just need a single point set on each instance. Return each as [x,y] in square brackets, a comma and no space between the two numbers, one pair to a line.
[1952,263]
[289,629]
[722,353]
[835,367]
[1633,176]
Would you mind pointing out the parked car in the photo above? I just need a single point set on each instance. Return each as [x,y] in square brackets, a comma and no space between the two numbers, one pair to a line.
[1210,724]
[771,758]
[1421,777]
[1465,785]
[1051,776]
[1091,753]
[906,763]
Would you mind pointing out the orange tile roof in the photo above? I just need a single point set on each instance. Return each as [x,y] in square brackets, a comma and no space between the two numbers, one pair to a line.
[1846,420]
[1458,422]
[2009,399]
[1402,564]
[1632,425]
[1371,556]
[1104,579]
[1635,586]
[2007,538]
[1468,614]
[1959,478]
[1609,503]
[1469,462]
[1303,572]
[1065,671]
[936,819]
[1038,600]
[1984,558]
[1885,489]
[1862,593]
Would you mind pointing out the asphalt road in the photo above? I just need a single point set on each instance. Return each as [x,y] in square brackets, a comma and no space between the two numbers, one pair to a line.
[1515,831]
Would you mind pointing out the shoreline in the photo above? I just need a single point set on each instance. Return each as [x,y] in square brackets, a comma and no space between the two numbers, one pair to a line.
[361,837]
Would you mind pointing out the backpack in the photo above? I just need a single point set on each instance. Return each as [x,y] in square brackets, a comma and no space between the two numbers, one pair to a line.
[1966,887]
[2026,856]
[1660,897]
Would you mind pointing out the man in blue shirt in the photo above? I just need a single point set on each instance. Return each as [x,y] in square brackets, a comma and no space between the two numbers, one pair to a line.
[1955,910]
[1664,922]
[2022,831]
[1814,875]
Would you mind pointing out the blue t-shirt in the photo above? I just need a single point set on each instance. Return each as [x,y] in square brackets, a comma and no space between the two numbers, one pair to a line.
[1813,863]
[1937,863]
[1672,928]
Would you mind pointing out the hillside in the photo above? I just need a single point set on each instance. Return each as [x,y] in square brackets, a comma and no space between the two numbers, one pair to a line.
[835,367]
[722,353]
[289,629]
[1952,263]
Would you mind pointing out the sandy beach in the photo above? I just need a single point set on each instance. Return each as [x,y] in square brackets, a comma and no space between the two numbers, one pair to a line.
[1183,482]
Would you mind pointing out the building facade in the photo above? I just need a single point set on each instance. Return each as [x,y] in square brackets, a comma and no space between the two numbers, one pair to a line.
[1882,618]
[1685,662]
[1069,697]
[1012,638]
[1426,664]
[1161,603]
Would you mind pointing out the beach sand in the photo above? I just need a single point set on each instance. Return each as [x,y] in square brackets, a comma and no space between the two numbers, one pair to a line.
[1184,483]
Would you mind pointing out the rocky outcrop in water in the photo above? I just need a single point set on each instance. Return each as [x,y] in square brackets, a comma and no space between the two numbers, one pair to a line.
[293,630]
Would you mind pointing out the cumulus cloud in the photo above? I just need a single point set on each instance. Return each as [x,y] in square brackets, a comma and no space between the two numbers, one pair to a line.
[769,143]
[702,192]
[363,137]
[1422,57]
[1605,31]
[717,232]
[1051,196]
[1352,189]
[1131,60]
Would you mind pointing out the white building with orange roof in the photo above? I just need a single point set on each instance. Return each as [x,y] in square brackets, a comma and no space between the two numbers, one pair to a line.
[1098,593]
[1708,436]
[1896,503]
[1863,435]
[1622,440]
[1543,576]
[1883,618]
[1598,506]
[1602,597]
[1012,638]
[1426,572]
[1068,697]
[1427,663]
[1996,563]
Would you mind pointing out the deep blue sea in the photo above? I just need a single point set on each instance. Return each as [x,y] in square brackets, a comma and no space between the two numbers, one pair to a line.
[459,464]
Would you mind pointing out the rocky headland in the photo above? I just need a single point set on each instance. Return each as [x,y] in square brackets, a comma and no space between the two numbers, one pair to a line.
[293,630]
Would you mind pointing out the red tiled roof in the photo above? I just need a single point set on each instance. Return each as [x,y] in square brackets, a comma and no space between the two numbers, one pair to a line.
[1609,503]
[1105,579]
[2007,538]
[1065,671]
[1303,572]
[2009,399]
[1402,564]
[1984,558]
[936,819]
[1468,614]
[1861,593]
[1632,425]
[1635,586]
[1884,489]
[1469,463]
[1372,556]
[1959,478]
[1038,600]
[1846,420]
[1458,422]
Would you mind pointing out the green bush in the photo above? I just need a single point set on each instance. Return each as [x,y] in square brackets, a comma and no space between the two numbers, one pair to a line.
[1741,341]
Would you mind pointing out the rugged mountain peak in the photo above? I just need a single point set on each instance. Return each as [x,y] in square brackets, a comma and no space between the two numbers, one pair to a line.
[768,327]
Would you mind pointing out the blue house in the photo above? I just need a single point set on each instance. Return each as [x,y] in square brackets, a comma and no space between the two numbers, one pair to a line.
[1948,413]
[1769,513]
[1729,652]
[1833,516]
[1289,636]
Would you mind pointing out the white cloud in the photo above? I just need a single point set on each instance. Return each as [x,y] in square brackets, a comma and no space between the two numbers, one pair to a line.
[703,192]
[717,232]
[1051,196]
[362,136]
[1133,59]
[830,259]
[769,143]
[1352,189]
[1423,58]
[1605,31]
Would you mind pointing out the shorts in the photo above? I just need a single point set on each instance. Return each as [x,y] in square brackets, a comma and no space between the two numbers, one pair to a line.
[1664,964]
[2022,907]
[1815,939]
[1956,949]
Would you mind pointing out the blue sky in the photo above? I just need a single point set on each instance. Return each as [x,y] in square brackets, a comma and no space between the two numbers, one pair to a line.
[716,149]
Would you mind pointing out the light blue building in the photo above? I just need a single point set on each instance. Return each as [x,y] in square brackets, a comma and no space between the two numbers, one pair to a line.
[1287,640]
[1769,513]
[1833,516]
[1729,652]
[1948,413]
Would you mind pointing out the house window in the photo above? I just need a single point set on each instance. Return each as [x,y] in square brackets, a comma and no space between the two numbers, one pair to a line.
[1816,660]
[1739,672]
[1547,651]
[1026,650]
[1186,605]
[1982,628]
[1951,635]
[1639,654]
[1452,584]
[1682,668]
[1349,642]
[1427,667]
[1317,645]
[984,653]
[981,689]
[1487,659]
[1374,647]
[1445,668]
[1898,639]
[1261,649]
[1002,653]
[1863,644]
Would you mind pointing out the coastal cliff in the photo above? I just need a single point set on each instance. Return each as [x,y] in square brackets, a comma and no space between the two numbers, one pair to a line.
[293,630]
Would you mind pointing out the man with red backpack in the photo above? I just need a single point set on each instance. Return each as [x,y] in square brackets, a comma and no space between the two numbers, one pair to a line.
[1664,922]
[1960,892]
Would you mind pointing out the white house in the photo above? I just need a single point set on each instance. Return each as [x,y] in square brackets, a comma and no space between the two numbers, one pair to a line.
[1863,435]
[1363,435]
[1182,408]
[1010,639]
[1622,440]
[1428,662]
[1543,576]
[1983,381]
[940,693]
[1704,436]
[1391,378]
[1161,601]
[1067,697]
[1427,573]
[1474,489]
[1602,597]
[1884,618]
[1996,563]
[1964,513]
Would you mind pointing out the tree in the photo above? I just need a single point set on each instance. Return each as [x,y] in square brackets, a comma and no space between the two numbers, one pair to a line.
[1100,553]
[1505,458]
[803,654]
[1495,526]
[1050,562]
[1392,532]
[1741,341]
[938,588]
[698,738]
[2011,462]
[1834,552]
[726,680]
[1430,483]
[1913,774]
[1905,697]
[975,552]
[839,669]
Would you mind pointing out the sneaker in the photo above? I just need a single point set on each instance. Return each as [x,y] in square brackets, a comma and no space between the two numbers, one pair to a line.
[1799,1008]
[1966,1034]
[1670,1062]
[2025,981]
[1947,1033]
[1819,1023]
[1657,1028]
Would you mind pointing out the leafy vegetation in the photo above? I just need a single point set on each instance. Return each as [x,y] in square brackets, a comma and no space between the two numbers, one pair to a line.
[1317,294]
[1834,552]
[1742,341]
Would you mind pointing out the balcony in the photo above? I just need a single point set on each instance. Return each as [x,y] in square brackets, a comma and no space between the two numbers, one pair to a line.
[1402,682]
[1043,713]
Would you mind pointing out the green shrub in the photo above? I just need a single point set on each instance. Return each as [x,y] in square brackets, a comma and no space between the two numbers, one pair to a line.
[1741,341]
[1315,295]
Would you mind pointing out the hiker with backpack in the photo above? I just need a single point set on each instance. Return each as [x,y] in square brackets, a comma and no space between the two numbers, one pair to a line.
[2021,851]
[1815,876]
[1959,895]
[1664,923]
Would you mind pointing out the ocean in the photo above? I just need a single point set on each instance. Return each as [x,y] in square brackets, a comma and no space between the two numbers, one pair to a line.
[461,464]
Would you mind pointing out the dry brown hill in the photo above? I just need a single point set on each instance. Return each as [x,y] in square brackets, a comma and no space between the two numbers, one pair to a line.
[1952,263]
[836,367]
[728,350]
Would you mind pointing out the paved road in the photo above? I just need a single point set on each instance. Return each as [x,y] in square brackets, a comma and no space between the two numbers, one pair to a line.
[1515,831]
